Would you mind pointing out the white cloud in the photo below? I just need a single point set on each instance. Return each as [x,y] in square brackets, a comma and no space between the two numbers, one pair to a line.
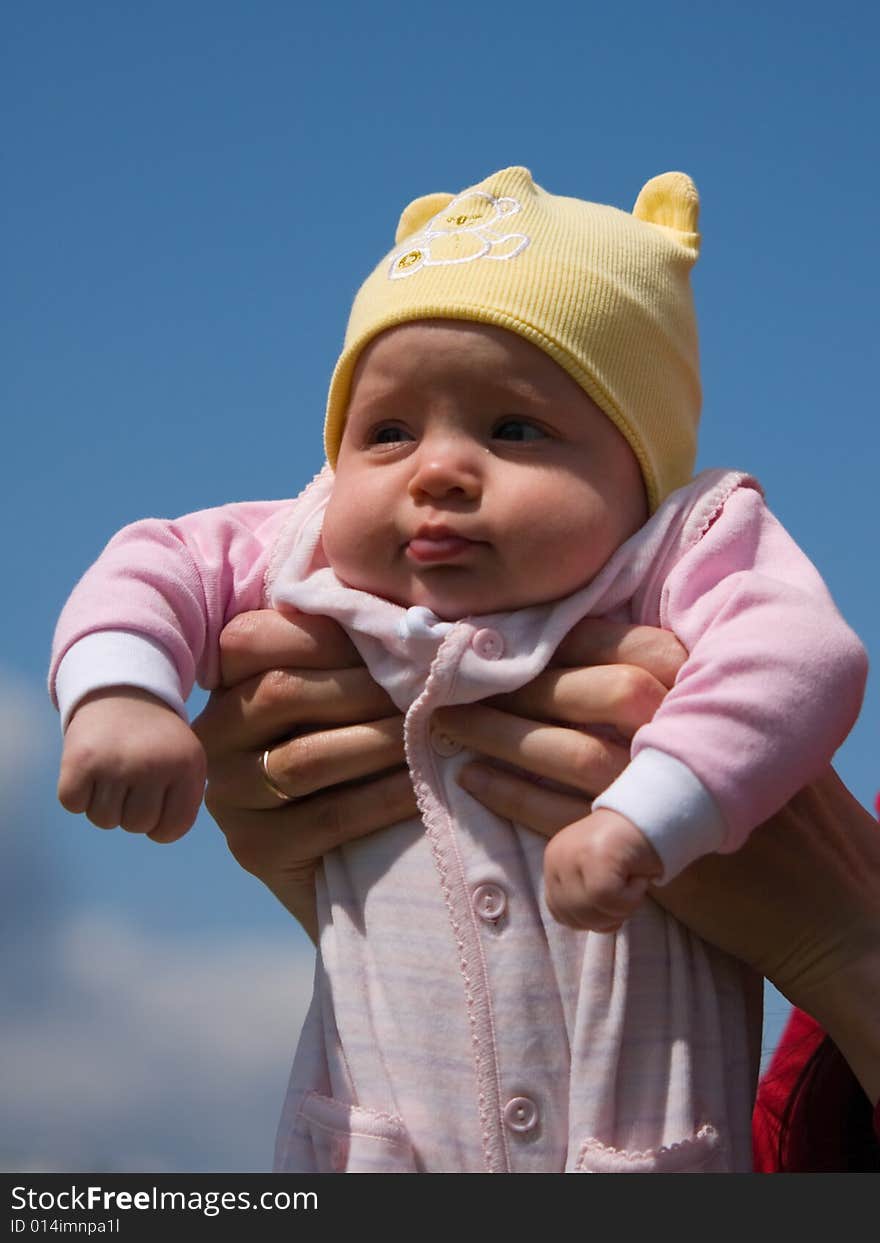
[153,1053]
[121,1048]
[24,730]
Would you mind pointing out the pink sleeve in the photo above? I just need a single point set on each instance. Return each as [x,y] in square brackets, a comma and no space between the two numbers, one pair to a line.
[774,678]
[177,583]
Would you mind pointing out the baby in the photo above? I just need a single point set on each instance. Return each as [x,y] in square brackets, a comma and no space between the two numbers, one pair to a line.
[510,433]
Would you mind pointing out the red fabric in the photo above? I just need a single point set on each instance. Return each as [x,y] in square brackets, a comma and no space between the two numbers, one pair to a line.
[814,1143]
[799,1040]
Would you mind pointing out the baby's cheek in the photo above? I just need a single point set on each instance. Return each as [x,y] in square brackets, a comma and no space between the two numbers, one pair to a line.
[563,551]
[341,535]
[354,542]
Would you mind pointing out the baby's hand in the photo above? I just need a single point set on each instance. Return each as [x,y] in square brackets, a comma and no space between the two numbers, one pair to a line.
[130,760]
[596,871]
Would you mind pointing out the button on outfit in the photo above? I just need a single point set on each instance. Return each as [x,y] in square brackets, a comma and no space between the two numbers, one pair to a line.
[488,644]
[443,745]
[521,1114]
[490,902]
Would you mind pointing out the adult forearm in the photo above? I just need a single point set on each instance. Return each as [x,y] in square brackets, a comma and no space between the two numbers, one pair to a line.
[799,903]
[848,1006]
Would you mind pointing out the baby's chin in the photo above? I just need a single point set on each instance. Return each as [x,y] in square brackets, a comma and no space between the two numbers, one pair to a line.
[455,605]
[446,591]
[447,608]
[455,608]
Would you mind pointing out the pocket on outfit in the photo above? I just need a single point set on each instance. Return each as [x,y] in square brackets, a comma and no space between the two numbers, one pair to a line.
[348,1139]
[693,1155]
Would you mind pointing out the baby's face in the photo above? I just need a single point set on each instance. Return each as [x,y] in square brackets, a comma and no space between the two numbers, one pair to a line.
[474,475]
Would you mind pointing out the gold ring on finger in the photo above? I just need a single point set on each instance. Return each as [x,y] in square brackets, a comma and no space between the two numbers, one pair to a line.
[270,782]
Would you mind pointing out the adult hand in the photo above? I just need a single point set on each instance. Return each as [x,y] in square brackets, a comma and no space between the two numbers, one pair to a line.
[603,674]
[297,686]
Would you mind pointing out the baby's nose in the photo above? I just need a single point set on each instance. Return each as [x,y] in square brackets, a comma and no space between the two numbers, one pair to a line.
[446,468]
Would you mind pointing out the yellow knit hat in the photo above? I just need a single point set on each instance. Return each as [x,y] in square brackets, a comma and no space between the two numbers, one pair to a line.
[606,294]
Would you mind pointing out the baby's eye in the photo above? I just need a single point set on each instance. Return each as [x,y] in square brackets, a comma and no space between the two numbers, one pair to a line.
[389,434]
[518,429]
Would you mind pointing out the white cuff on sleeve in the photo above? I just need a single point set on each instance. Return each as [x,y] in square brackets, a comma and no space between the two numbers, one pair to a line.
[671,806]
[116,658]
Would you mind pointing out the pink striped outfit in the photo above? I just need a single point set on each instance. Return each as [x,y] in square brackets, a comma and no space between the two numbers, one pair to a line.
[454,1025]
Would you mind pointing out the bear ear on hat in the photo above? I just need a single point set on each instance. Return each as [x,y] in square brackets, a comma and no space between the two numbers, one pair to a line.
[671,201]
[419,212]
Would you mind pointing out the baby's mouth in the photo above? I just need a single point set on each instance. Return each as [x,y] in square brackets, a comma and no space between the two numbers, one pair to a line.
[438,544]
[446,549]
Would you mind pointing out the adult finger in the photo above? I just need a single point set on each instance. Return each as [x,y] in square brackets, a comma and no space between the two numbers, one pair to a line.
[271,705]
[623,696]
[309,762]
[283,847]
[516,798]
[595,641]
[574,759]
[265,639]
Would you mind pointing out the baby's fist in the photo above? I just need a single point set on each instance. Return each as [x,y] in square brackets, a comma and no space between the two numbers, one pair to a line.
[130,760]
[597,870]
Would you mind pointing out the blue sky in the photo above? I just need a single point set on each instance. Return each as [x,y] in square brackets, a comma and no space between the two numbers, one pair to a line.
[194,192]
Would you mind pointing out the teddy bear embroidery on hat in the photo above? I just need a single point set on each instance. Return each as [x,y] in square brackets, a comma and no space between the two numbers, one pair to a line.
[462,230]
